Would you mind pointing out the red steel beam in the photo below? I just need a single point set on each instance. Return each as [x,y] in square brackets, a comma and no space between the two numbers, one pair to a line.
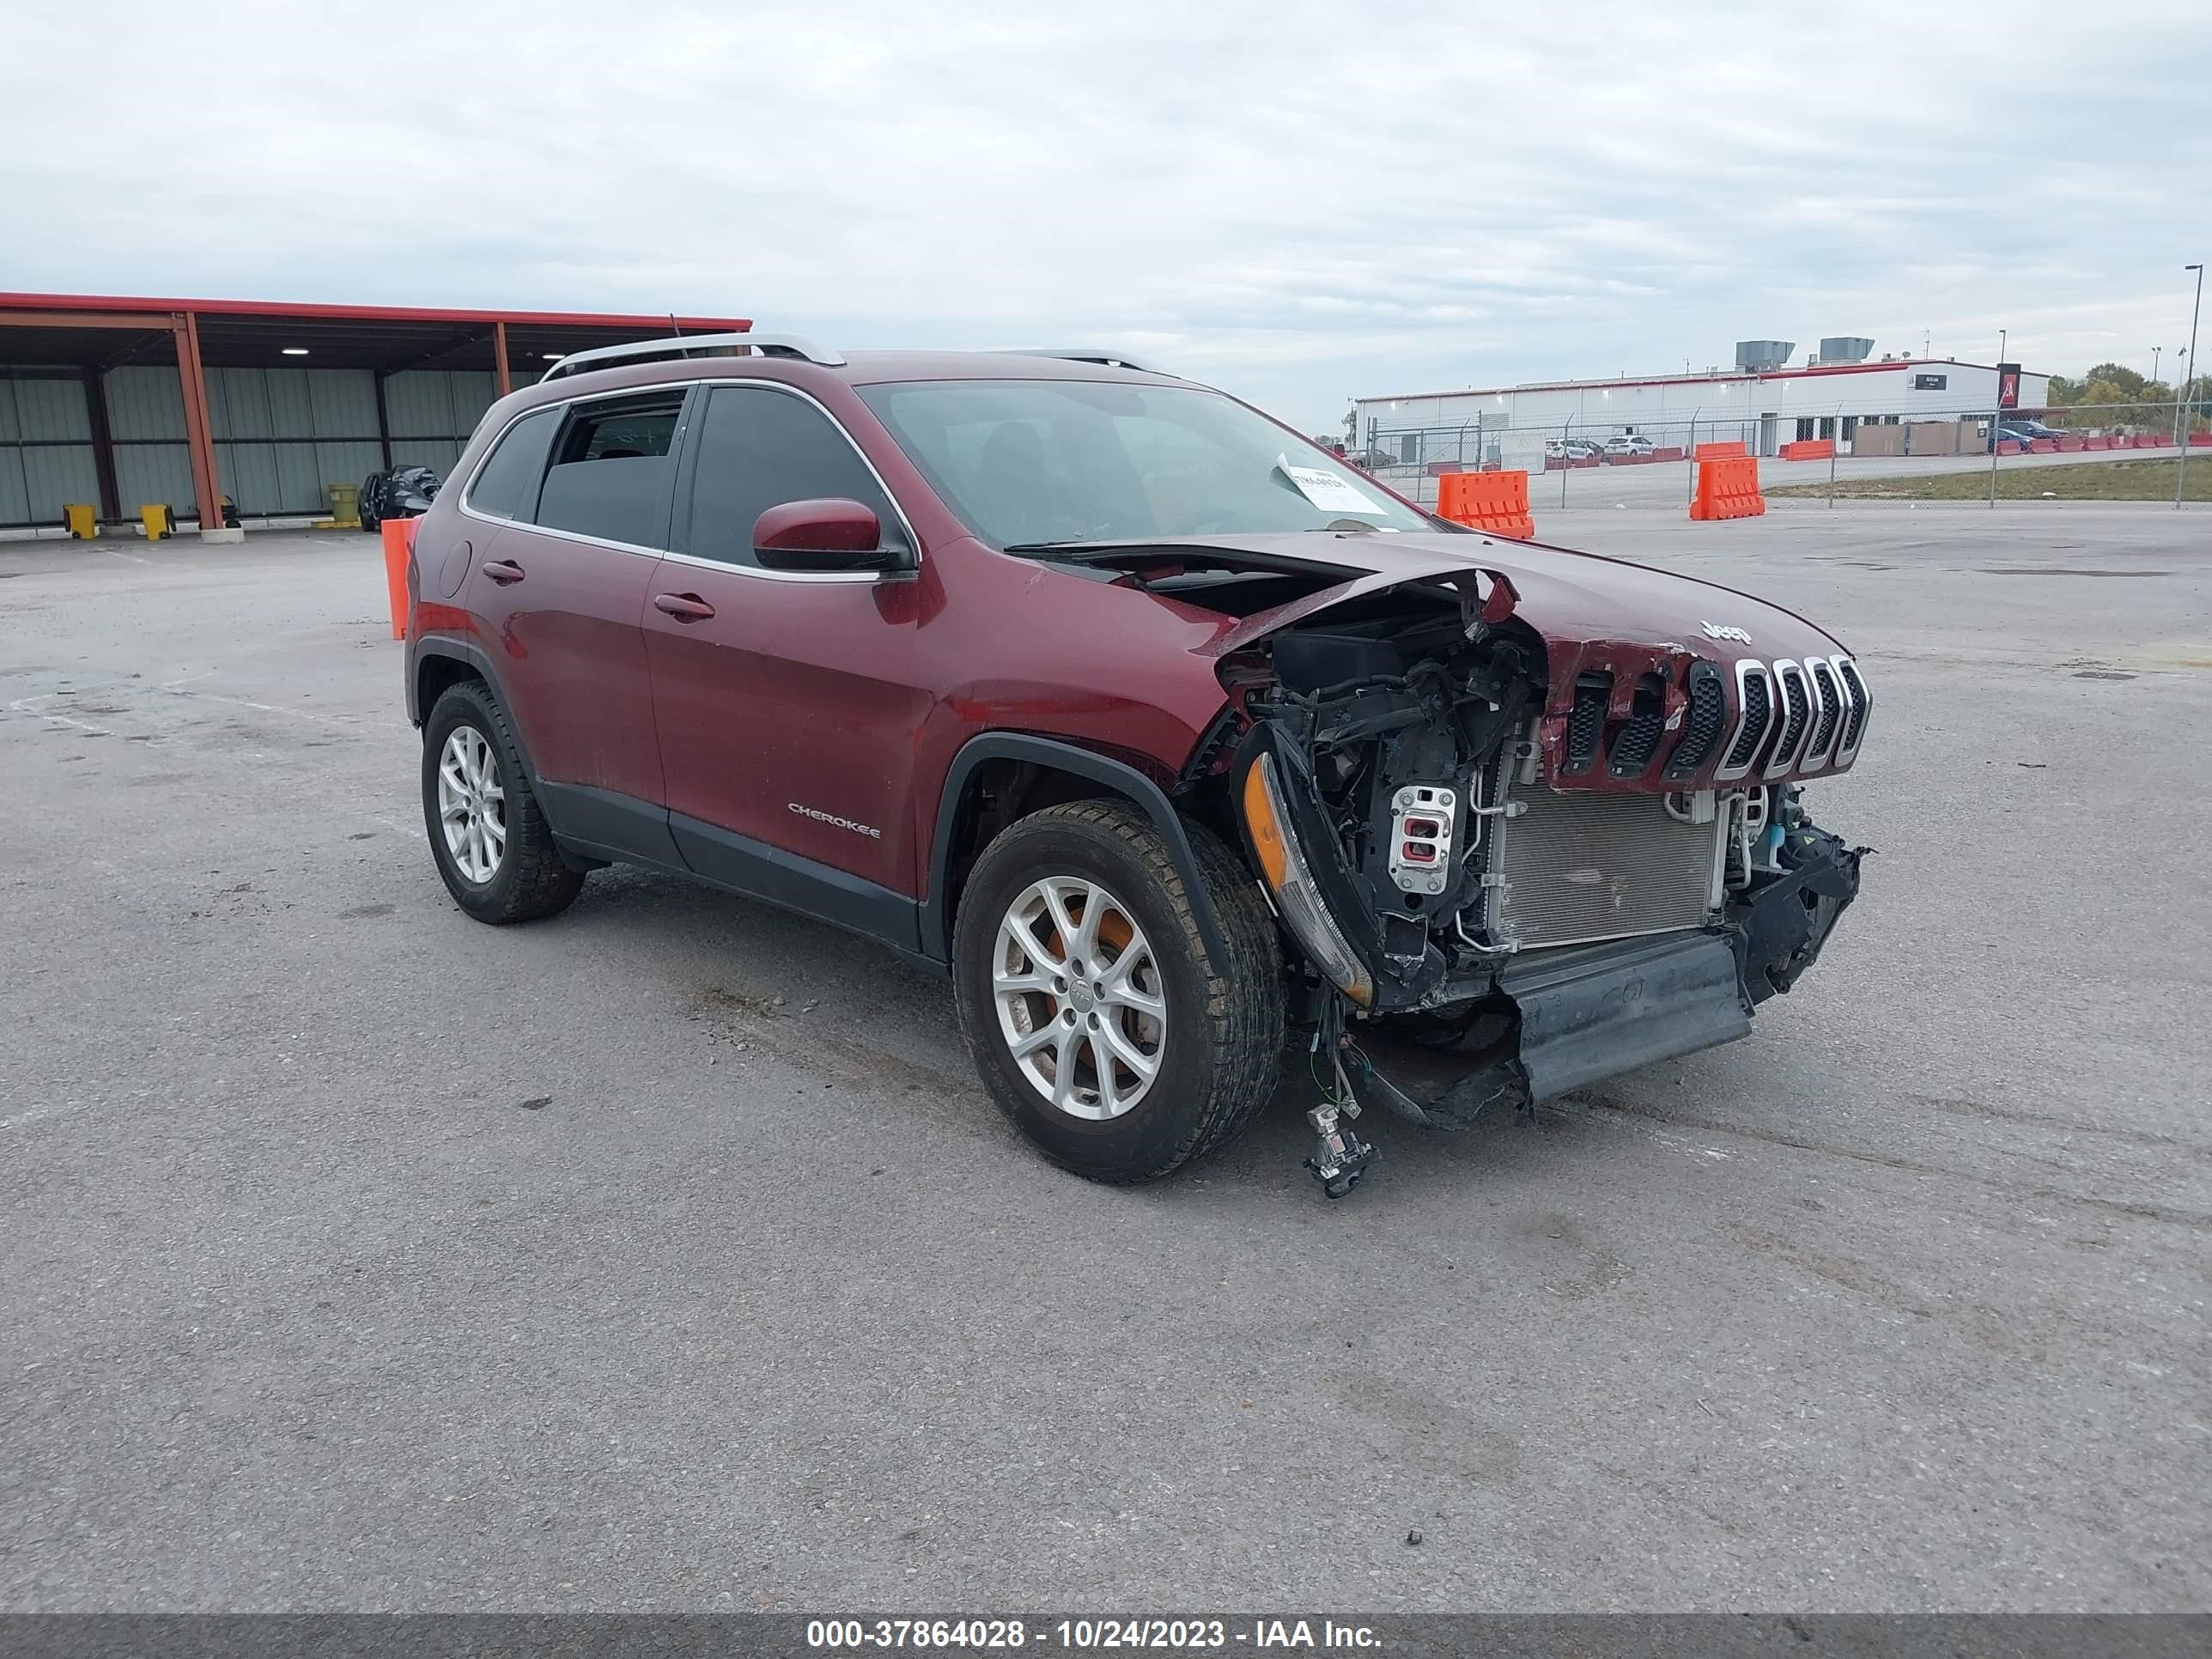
[499,356]
[277,309]
[82,319]
[193,382]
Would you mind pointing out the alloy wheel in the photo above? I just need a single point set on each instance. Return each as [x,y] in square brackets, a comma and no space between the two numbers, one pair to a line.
[1081,1003]
[472,804]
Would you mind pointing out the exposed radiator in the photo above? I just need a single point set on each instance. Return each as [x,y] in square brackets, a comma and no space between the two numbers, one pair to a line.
[1578,866]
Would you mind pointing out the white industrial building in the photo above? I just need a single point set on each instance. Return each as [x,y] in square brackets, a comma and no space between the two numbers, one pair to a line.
[1762,403]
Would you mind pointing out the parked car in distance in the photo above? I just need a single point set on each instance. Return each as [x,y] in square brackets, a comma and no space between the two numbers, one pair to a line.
[1627,443]
[1571,449]
[405,492]
[1158,730]
[1371,461]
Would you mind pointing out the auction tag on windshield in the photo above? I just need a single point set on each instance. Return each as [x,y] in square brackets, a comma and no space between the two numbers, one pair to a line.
[1327,491]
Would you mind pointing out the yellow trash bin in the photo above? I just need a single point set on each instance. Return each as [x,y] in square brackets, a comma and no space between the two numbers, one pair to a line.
[345,506]
[156,516]
[81,519]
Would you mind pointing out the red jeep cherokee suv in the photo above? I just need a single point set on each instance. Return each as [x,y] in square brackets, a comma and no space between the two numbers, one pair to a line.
[1156,727]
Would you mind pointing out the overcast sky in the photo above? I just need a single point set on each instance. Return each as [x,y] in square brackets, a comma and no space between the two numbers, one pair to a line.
[1302,202]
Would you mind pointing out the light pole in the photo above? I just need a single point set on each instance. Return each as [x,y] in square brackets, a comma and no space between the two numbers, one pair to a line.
[2188,385]
[2155,353]
[1997,414]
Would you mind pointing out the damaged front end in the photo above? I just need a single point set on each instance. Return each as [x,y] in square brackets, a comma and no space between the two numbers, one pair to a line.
[1554,854]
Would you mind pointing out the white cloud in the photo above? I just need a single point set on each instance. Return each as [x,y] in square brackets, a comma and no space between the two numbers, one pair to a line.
[1306,202]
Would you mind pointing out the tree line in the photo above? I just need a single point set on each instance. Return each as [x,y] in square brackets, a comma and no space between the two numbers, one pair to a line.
[2114,394]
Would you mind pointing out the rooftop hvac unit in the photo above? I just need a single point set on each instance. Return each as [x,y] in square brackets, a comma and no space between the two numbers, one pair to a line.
[1760,355]
[1846,349]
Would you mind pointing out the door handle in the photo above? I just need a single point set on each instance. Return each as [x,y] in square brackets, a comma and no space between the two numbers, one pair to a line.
[684,607]
[502,571]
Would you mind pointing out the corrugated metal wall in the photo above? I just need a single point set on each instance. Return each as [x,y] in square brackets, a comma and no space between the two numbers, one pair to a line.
[258,418]
[146,419]
[282,435]
[432,411]
[46,449]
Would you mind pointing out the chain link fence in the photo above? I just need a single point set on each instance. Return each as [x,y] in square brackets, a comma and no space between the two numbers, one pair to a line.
[1586,455]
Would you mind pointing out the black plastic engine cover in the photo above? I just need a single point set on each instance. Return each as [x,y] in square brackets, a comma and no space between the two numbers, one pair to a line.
[1307,661]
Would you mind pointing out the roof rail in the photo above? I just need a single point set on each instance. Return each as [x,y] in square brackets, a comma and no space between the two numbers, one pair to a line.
[1105,359]
[687,345]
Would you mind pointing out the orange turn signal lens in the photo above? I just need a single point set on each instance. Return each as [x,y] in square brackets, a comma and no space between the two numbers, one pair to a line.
[1297,902]
[1266,829]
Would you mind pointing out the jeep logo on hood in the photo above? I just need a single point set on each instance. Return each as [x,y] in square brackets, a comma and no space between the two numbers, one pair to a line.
[1717,631]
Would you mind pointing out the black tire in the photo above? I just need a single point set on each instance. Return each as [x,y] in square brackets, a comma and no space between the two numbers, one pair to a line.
[371,523]
[529,879]
[1222,1046]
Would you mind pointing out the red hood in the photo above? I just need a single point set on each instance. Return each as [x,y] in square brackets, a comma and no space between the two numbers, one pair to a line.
[1565,596]
[1593,613]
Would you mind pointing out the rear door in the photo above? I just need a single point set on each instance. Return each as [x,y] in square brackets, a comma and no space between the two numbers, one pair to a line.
[788,715]
[563,567]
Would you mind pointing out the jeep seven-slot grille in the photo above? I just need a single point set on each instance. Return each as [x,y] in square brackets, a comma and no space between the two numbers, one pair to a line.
[1640,733]
[1586,724]
[1832,708]
[1758,714]
[1855,721]
[1701,724]
[1796,709]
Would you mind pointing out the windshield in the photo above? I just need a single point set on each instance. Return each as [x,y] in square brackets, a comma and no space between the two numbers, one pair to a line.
[1040,462]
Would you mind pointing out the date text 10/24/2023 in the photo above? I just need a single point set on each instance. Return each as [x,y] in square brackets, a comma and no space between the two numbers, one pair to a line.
[1086,1635]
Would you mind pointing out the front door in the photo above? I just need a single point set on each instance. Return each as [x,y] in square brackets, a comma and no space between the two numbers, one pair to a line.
[784,701]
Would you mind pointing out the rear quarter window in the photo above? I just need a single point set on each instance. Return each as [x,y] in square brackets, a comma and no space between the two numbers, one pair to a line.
[506,485]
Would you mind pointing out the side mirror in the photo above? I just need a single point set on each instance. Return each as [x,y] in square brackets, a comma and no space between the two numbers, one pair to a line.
[827,533]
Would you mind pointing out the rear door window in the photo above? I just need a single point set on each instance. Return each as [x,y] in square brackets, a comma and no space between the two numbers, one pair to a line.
[610,473]
[506,485]
[759,448]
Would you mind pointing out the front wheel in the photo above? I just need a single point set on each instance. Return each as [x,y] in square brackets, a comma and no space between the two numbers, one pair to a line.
[1100,1023]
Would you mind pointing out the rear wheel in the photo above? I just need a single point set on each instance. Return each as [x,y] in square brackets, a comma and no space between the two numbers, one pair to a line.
[1100,1023]
[493,848]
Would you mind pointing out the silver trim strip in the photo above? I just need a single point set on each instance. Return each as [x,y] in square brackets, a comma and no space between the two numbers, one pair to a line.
[685,345]
[1779,762]
[1744,667]
[817,576]
[912,542]
[1815,760]
[1862,705]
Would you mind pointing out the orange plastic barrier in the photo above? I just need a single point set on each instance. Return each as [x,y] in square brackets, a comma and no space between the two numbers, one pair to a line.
[1495,501]
[1719,453]
[398,537]
[1809,449]
[1728,488]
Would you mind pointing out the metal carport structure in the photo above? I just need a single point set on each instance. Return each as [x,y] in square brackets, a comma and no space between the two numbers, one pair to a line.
[116,401]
